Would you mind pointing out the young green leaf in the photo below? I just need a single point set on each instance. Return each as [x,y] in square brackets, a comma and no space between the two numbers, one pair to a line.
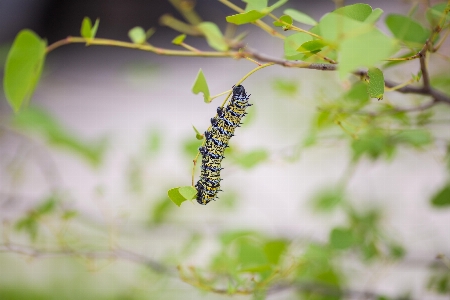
[86,28]
[137,35]
[300,17]
[23,68]
[175,195]
[95,28]
[213,36]
[201,86]
[375,88]
[255,4]
[198,135]
[442,198]
[406,29]
[328,199]
[188,192]
[274,6]
[179,39]
[251,159]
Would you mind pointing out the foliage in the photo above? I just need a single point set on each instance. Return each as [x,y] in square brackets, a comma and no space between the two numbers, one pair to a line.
[364,117]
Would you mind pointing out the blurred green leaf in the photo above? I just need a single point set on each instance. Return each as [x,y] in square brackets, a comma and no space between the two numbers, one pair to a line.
[300,17]
[42,123]
[436,13]
[357,96]
[341,238]
[153,142]
[414,138]
[442,197]
[397,251]
[375,88]
[373,144]
[47,206]
[28,225]
[95,28]
[358,12]
[274,6]
[161,210]
[201,86]
[285,86]
[328,199]
[149,33]
[213,36]
[274,249]
[251,159]
[179,39]
[175,195]
[406,29]
[137,35]
[190,147]
[251,256]
[292,43]
[23,68]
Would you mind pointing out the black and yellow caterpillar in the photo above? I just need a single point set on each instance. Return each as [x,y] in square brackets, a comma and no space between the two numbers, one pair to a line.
[216,140]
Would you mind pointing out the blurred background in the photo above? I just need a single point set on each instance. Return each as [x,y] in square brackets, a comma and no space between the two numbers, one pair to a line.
[127,117]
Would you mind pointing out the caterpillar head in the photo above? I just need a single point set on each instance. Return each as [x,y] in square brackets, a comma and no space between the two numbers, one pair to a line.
[238,90]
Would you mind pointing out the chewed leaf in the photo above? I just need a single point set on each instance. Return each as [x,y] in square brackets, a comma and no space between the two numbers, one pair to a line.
[201,86]
[175,195]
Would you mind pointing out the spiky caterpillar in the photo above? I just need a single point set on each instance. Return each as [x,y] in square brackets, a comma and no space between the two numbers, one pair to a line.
[216,140]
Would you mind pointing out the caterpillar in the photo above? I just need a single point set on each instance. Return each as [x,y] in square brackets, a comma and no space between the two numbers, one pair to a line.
[216,141]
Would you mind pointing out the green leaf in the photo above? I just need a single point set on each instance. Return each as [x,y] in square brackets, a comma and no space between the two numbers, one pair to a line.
[313,46]
[341,238]
[190,147]
[86,28]
[153,142]
[47,206]
[374,16]
[442,198]
[175,195]
[283,20]
[373,144]
[149,33]
[201,86]
[274,249]
[188,192]
[23,68]
[179,39]
[375,88]
[292,43]
[213,36]
[358,12]
[436,13]
[327,200]
[300,17]
[244,18]
[42,123]
[406,29]
[251,159]
[137,35]
[285,86]
[251,256]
